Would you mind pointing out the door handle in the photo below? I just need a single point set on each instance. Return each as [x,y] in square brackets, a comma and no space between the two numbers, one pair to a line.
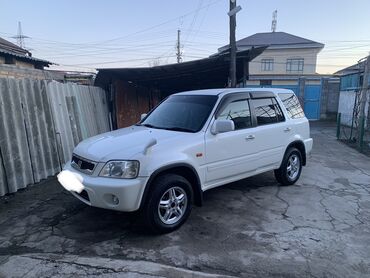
[287,129]
[250,137]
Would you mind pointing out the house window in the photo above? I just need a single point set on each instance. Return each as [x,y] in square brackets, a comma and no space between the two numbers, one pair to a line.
[9,60]
[295,65]
[267,64]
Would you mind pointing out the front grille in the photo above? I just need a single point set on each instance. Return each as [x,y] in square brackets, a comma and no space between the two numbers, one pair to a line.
[83,164]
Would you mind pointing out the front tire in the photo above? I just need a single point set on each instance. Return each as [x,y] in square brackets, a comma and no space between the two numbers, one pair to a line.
[291,167]
[169,204]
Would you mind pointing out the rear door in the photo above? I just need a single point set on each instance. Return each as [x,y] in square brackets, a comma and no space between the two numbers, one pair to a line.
[272,131]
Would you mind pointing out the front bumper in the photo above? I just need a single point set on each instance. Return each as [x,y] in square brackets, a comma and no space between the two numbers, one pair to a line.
[103,192]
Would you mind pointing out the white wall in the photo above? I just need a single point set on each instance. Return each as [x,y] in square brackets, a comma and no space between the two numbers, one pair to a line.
[346,104]
[280,57]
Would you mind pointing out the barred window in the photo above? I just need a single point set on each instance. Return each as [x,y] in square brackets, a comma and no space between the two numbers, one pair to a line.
[295,65]
[267,64]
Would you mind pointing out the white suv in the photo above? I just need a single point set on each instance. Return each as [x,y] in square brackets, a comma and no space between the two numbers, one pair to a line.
[191,142]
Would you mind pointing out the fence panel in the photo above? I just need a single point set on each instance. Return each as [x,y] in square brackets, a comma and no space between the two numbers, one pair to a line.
[351,127]
[13,136]
[40,129]
[40,124]
[79,112]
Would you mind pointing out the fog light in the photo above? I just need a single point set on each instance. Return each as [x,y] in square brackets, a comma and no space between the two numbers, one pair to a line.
[111,199]
[115,200]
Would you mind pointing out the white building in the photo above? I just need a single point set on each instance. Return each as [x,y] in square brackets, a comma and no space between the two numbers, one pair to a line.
[287,58]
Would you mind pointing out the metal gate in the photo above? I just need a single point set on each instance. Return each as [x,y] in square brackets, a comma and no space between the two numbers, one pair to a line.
[312,95]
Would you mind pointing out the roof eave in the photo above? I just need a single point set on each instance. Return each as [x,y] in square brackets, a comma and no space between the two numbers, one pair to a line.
[27,58]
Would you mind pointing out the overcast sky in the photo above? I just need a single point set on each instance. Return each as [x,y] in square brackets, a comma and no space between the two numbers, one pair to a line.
[87,34]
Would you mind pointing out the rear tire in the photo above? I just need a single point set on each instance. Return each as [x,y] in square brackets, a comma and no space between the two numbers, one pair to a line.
[169,203]
[291,167]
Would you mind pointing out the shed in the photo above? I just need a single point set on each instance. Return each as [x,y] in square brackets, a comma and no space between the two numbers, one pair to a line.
[133,91]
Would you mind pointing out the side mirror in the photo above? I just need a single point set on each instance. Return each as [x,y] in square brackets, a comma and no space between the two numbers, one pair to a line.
[142,116]
[220,126]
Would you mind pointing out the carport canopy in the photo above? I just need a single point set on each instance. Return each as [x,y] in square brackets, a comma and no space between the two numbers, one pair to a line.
[211,72]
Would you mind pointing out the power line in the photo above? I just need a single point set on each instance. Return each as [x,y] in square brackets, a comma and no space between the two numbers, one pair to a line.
[113,62]
[193,21]
[164,23]
[201,24]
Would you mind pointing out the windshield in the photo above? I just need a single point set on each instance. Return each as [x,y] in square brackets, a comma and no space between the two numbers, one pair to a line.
[186,113]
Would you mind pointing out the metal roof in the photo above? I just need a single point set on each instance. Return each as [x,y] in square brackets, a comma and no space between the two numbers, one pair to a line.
[26,58]
[275,39]
[10,49]
[356,68]
[208,73]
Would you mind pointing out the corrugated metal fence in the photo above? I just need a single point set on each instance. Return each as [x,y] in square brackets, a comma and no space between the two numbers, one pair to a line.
[40,123]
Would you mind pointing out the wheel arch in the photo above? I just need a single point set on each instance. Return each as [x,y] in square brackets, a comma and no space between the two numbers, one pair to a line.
[182,169]
[298,144]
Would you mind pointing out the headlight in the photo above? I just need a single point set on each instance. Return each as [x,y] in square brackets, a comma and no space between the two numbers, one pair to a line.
[120,169]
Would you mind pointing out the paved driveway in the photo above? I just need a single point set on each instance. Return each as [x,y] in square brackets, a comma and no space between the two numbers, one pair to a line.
[252,228]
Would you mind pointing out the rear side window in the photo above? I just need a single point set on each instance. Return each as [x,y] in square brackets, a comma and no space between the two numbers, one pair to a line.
[267,111]
[237,111]
[292,105]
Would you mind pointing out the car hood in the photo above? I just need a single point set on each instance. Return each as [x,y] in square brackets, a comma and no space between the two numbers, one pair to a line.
[123,143]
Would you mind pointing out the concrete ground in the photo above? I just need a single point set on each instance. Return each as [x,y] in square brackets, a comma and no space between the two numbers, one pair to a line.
[319,227]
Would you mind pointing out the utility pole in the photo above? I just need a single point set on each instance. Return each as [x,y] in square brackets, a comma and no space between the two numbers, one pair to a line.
[232,26]
[363,97]
[178,47]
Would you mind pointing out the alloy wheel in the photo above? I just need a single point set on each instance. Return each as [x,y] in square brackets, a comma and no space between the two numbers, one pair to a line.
[172,205]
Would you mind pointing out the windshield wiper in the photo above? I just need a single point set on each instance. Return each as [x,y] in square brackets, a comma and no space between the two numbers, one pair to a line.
[147,125]
[179,129]
[175,128]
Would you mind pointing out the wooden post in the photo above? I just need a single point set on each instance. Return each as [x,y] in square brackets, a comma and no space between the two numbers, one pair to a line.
[338,125]
[232,46]
[245,71]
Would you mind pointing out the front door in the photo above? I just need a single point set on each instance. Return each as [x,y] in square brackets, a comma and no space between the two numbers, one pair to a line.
[231,153]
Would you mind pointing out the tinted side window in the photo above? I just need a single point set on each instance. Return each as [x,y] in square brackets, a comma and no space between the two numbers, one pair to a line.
[237,111]
[267,111]
[292,105]
[279,113]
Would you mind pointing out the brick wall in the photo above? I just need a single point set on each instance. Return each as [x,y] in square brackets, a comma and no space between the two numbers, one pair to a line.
[14,71]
